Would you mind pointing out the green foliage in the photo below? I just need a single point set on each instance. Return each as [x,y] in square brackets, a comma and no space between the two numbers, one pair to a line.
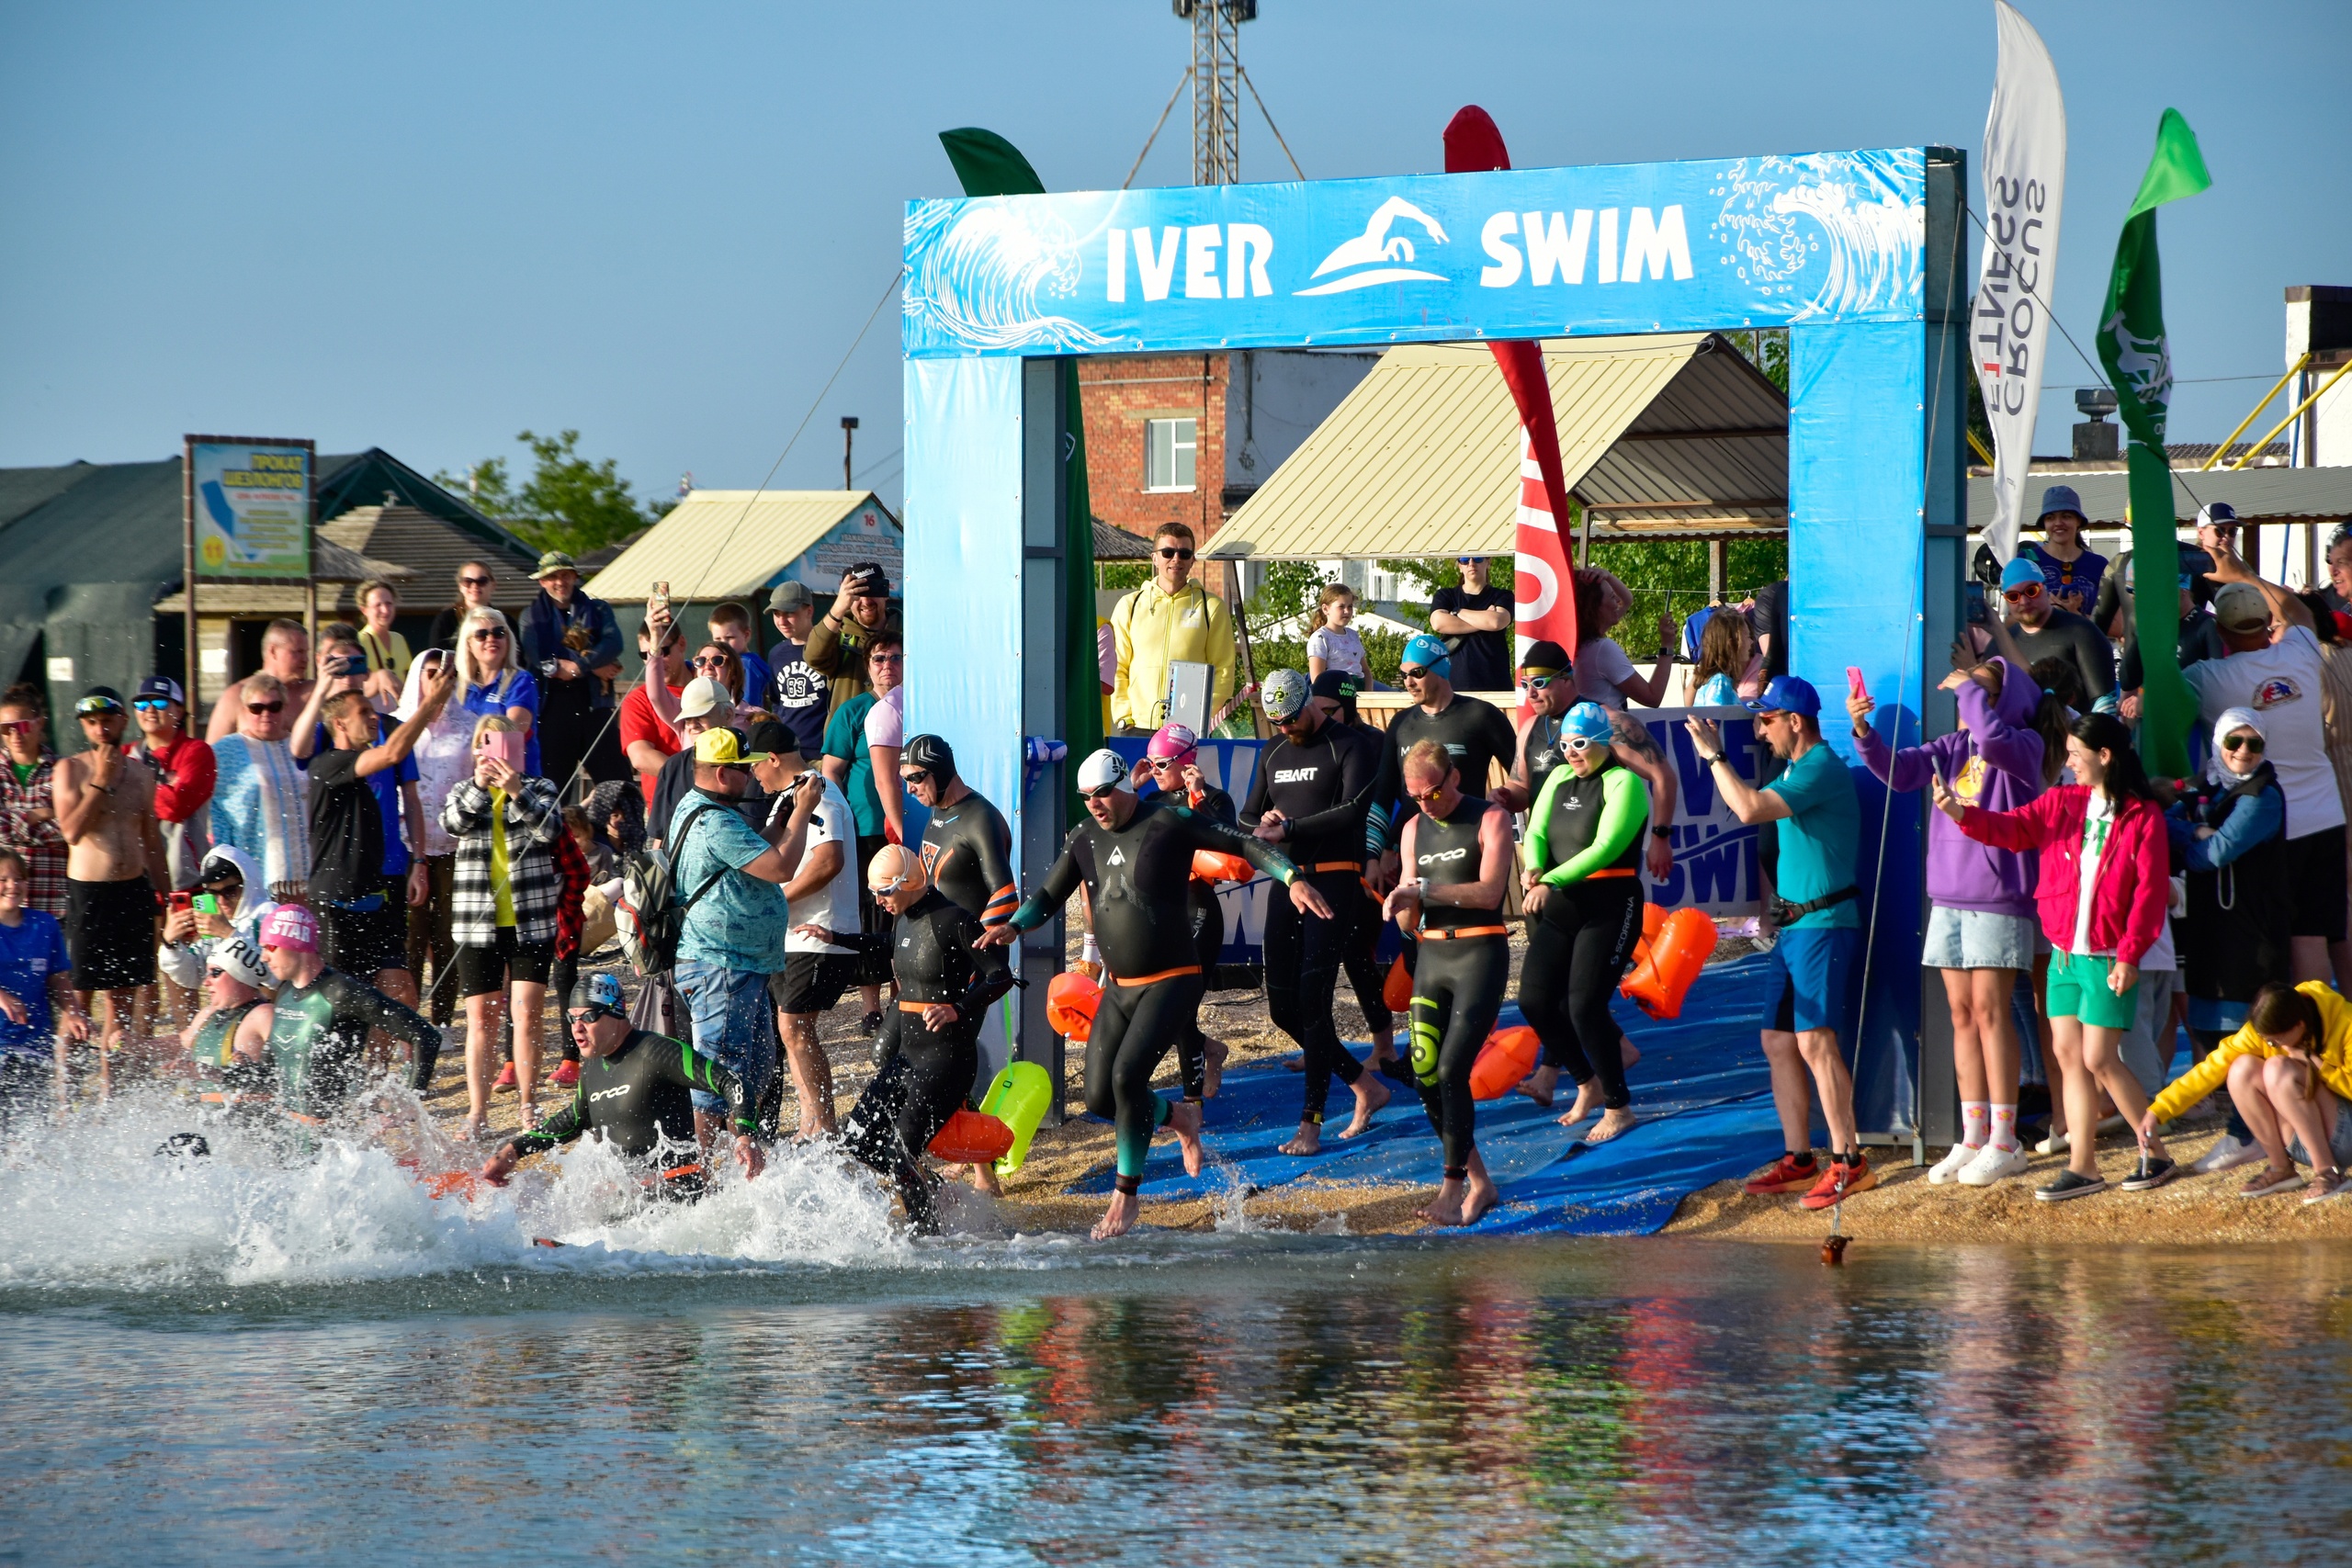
[1284,603]
[1768,350]
[568,503]
[1121,576]
[1669,577]
[1385,651]
[1442,572]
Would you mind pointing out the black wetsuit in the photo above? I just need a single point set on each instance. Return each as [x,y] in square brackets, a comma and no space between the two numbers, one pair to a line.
[967,855]
[924,1073]
[1208,941]
[317,1034]
[1322,790]
[1139,878]
[1459,974]
[216,1037]
[1362,958]
[1475,733]
[1578,946]
[640,1100]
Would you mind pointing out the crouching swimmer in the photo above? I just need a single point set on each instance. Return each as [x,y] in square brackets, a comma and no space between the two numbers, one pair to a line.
[635,1092]
[929,1050]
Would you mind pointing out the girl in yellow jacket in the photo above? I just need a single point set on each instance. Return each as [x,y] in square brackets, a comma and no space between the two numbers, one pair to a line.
[2290,1074]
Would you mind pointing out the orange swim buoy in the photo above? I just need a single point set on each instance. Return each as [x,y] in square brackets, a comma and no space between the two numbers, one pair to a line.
[1215,865]
[972,1137]
[1397,990]
[1071,1001]
[1681,950]
[1504,1062]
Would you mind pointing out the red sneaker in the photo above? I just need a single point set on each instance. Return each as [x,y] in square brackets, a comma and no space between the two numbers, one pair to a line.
[1784,1174]
[566,1074]
[1858,1178]
[505,1077]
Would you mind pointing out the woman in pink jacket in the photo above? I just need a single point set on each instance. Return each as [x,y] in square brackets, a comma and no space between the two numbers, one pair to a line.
[2104,882]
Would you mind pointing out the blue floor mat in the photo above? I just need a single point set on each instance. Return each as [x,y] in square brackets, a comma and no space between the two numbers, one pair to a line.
[1701,1089]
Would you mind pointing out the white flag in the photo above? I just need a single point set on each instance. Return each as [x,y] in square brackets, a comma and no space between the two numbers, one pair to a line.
[2025,176]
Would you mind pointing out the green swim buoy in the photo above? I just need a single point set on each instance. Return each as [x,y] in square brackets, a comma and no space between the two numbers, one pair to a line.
[1019,1097]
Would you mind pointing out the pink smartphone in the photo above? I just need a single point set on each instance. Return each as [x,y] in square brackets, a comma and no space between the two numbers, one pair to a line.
[506,746]
[1854,681]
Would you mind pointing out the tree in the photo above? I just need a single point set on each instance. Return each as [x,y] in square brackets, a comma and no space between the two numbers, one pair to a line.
[568,503]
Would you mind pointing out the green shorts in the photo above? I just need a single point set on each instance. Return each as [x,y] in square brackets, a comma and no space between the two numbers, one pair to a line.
[2078,990]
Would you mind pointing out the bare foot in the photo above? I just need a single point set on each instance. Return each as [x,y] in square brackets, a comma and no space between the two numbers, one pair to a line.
[1309,1140]
[1588,1102]
[1538,1085]
[1212,1055]
[1185,1121]
[1120,1217]
[1612,1124]
[1629,1052]
[1447,1208]
[984,1177]
[1296,1065]
[1479,1196]
[1371,1095]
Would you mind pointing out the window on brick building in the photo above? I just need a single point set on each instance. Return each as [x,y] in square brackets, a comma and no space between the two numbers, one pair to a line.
[1170,446]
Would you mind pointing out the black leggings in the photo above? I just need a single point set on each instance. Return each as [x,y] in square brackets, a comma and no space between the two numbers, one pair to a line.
[1362,956]
[1576,955]
[1303,955]
[1134,1027]
[1208,942]
[924,1076]
[1457,991]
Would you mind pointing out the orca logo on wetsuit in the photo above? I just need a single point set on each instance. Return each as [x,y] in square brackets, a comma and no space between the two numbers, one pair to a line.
[1442,856]
[612,1093]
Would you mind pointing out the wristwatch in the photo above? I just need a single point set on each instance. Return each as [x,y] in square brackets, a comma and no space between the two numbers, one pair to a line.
[1711,762]
[1659,832]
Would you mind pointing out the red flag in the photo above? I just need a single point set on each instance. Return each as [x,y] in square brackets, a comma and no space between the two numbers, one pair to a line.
[1546,590]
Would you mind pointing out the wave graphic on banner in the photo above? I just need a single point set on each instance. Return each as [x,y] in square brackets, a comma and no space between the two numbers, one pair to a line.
[1853,217]
[984,269]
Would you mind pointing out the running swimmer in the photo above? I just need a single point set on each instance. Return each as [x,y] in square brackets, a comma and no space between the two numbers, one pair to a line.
[1312,787]
[320,1022]
[1474,732]
[929,1050]
[636,1091]
[1135,861]
[1457,850]
[1335,698]
[236,1021]
[1584,912]
[1173,757]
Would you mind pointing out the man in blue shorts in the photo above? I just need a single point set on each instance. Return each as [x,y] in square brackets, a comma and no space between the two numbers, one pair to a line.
[1819,828]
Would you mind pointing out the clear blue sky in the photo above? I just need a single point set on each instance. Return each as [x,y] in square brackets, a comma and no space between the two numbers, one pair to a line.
[427,227]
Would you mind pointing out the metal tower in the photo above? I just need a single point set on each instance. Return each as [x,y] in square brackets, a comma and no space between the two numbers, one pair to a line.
[1216,86]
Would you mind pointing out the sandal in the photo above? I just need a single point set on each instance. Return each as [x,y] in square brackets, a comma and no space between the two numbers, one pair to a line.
[2267,1180]
[2324,1185]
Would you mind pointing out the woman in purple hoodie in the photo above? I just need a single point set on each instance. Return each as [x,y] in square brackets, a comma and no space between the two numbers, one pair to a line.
[1981,927]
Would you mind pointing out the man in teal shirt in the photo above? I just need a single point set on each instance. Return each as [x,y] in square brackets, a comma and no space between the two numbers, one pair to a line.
[1819,819]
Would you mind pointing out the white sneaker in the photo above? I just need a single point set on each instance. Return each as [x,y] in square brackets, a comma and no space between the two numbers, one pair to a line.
[1991,1165]
[1944,1169]
[2055,1143]
[2227,1154]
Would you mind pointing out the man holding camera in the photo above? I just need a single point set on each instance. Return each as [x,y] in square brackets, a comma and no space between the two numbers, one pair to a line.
[572,643]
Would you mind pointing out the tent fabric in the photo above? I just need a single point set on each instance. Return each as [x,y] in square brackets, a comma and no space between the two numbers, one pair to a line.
[724,544]
[1701,1089]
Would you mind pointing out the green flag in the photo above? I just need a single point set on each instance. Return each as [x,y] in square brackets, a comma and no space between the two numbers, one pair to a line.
[990,165]
[2133,346]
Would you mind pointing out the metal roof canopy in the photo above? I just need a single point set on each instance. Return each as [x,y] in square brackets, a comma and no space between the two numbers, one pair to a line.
[1667,436]
[723,544]
[2260,495]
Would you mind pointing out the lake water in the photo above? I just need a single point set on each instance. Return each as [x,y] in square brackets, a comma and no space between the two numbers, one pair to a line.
[239,1359]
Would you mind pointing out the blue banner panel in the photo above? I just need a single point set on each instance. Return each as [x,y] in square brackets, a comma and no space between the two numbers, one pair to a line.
[1720,243]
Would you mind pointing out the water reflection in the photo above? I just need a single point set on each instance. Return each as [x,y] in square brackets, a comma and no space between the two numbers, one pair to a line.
[1532,1402]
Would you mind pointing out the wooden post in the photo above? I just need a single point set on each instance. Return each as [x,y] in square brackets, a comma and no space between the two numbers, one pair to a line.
[1716,550]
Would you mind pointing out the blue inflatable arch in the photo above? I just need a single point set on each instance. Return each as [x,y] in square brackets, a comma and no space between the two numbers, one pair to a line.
[1858,254]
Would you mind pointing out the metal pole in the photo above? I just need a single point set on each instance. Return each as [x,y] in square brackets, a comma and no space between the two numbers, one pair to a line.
[849,435]
[188,581]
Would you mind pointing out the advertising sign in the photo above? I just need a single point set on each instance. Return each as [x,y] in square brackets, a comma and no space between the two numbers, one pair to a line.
[1763,241]
[250,505]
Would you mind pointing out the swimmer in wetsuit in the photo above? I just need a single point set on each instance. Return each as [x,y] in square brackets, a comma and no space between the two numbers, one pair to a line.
[1457,855]
[929,1050]
[1173,757]
[636,1091]
[1335,699]
[320,1019]
[236,1022]
[1135,861]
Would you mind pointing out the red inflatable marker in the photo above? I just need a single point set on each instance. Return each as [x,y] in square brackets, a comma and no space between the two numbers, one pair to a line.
[1679,951]
[1504,1062]
[972,1137]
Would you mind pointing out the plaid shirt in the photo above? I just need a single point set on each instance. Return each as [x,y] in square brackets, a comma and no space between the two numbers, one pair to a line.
[533,823]
[40,844]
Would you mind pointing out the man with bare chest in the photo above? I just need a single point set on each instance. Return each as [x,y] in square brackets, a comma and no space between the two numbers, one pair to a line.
[105,808]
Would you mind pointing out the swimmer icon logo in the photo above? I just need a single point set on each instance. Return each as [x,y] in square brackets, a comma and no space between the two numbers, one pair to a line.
[1372,257]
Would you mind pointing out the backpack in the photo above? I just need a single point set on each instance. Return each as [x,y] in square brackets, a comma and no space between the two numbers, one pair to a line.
[648,916]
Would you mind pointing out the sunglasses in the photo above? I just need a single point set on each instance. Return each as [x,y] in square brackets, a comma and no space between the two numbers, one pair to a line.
[477,581]
[278,707]
[96,707]
[489,634]
[2019,595]
[713,662]
[20,726]
[915,775]
[2243,743]
[1425,795]
[1469,560]
[150,705]
[1413,672]
[1170,553]
[886,658]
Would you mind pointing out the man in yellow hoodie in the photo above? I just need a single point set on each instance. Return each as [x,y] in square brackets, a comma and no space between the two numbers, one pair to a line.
[2289,1073]
[1169,618]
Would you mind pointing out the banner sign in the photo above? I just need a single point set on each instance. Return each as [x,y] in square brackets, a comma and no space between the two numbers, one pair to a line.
[1763,241]
[250,506]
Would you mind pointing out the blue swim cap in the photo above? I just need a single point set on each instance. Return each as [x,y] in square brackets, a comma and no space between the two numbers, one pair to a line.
[605,995]
[1586,721]
[1427,652]
[2018,573]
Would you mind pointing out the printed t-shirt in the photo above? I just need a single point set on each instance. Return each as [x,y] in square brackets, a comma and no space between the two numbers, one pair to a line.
[834,906]
[30,952]
[2281,682]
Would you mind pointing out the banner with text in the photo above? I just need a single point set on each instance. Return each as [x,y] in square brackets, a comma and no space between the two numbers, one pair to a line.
[252,507]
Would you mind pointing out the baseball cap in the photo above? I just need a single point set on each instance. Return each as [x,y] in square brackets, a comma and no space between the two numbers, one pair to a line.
[291,926]
[98,699]
[2018,573]
[161,687]
[723,747]
[787,596]
[932,754]
[1791,694]
[1427,653]
[553,562]
[770,738]
[867,580]
[1544,657]
[2216,514]
[1285,693]
[703,696]
[1103,769]
[603,995]
[1586,721]
[1337,684]
[238,958]
[2059,498]
[1177,739]
[2240,607]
